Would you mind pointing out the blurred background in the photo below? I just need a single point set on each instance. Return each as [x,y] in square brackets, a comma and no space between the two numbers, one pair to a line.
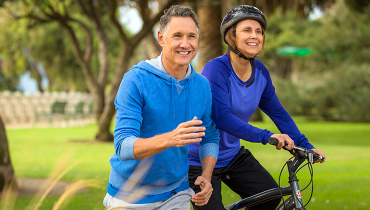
[62,61]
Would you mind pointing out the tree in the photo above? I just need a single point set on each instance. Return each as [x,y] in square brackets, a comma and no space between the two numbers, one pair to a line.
[89,18]
[357,5]
[210,45]
[7,177]
[11,59]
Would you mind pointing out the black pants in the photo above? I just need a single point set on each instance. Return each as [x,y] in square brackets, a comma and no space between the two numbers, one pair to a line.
[247,177]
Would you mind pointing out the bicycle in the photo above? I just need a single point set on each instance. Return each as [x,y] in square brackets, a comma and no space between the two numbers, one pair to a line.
[295,201]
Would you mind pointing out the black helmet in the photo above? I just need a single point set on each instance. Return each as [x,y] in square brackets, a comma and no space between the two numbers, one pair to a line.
[240,13]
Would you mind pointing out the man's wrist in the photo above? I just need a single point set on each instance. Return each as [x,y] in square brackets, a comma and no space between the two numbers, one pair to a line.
[207,176]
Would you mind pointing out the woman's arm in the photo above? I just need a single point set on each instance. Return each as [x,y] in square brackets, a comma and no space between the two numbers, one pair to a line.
[221,110]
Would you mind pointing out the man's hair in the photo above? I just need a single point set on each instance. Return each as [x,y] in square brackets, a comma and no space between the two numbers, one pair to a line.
[177,11]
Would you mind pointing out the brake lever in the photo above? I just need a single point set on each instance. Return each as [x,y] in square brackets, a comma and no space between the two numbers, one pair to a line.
[310,157]
[314,156]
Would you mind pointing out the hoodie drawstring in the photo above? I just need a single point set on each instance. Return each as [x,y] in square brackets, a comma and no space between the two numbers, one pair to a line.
[188,106]
[173,97]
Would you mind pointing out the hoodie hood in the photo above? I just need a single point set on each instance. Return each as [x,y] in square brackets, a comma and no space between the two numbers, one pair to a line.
[157,63]
[155,67]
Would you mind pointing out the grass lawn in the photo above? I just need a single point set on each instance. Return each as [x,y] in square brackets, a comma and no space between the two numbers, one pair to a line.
[343,182]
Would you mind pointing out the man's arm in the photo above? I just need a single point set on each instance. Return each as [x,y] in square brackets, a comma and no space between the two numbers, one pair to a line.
[204,181]
[186,133]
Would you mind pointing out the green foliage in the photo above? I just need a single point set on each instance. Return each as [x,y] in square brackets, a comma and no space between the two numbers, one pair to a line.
[340,36]
[8,83]
[333,83]
[283,29]
[26,43]
[357,5]
[343,95]
[56,56]
[12,44]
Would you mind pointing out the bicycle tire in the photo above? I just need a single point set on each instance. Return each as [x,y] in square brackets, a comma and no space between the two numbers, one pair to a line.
[288,204]
[260,198]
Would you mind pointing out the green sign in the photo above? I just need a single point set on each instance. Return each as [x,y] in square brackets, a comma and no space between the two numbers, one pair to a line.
[294,51]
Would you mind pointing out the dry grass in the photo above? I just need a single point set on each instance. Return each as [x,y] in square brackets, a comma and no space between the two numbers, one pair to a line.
[10,193]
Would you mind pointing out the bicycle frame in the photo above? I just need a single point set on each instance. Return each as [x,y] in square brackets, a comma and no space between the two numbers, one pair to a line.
[292,202]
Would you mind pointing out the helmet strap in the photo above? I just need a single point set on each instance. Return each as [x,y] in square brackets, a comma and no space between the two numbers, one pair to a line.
[240,54]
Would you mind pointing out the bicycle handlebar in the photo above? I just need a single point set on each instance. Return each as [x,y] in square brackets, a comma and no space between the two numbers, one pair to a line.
[310,155]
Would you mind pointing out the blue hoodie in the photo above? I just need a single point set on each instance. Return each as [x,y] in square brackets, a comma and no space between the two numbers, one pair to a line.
[150,102]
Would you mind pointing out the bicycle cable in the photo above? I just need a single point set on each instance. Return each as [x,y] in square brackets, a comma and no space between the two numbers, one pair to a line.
[282,196]
[311,172]
[310,168]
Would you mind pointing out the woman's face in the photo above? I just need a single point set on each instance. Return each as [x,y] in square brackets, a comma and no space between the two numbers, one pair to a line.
[249,37]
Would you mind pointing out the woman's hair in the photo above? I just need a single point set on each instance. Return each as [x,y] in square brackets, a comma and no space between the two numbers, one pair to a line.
[177,11]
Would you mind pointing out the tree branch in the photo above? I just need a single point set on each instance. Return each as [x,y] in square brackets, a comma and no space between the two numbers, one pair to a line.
[89,48]
[86,68]
[112,15]
[147,26]
[84,9]
[103,46]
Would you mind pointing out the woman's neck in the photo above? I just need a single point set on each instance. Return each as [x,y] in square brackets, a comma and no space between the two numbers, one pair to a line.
[242,67]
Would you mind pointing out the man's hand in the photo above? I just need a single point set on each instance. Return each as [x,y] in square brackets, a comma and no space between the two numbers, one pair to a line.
[202,197]
[282,138]
[319,152]
[186,133]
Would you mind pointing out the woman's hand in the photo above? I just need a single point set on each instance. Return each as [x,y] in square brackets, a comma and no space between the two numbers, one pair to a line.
[319,152]
[282,138]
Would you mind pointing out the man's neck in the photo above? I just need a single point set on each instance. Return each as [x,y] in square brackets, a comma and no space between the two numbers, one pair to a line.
[177,71]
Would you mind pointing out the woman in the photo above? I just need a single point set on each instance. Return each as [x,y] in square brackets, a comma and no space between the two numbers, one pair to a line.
[240,83]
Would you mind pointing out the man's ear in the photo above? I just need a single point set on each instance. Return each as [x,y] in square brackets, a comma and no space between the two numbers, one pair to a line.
[161,38]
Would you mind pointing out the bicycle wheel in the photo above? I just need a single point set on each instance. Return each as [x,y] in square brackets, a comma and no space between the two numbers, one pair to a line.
[287,205]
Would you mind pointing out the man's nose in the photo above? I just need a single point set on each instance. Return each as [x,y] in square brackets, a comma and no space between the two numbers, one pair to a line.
[184,43]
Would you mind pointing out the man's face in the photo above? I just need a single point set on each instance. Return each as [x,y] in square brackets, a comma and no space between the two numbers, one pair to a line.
[179,42]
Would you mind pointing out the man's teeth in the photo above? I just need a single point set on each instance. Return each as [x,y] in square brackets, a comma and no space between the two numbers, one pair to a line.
[184,53]
[252,44]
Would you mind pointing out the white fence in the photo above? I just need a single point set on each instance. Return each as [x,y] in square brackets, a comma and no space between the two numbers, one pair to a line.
[17,108]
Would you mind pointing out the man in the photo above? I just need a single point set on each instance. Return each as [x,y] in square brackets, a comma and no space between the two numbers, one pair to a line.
[158,106]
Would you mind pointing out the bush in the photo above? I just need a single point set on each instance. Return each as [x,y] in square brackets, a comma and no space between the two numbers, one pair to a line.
[348,93]
[343,96]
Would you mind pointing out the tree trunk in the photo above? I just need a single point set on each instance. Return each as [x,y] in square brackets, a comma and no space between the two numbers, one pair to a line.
[210,43]
[7,176]
[153,49]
